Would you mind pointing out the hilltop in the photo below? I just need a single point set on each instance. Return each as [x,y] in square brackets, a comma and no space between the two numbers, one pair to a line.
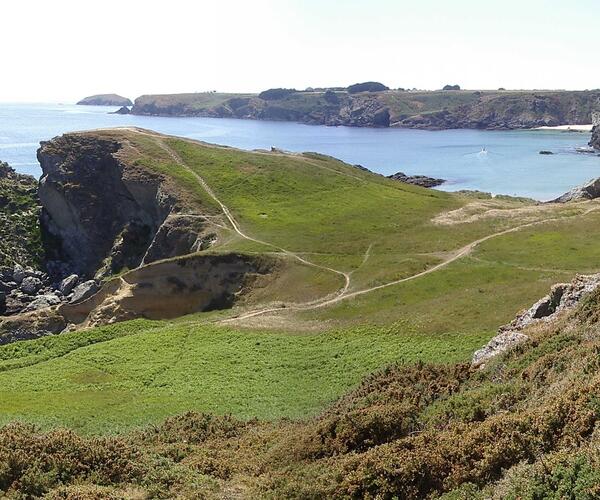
[105,100]
[256,286]
[386,108]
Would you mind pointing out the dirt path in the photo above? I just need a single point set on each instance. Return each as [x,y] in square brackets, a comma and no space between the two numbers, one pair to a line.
[234,223]
[342,293]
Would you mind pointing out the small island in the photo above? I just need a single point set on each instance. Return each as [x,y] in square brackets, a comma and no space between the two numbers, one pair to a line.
[105,100]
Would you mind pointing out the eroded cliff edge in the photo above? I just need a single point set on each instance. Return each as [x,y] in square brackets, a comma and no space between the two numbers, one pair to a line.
[102,214]
[121,240]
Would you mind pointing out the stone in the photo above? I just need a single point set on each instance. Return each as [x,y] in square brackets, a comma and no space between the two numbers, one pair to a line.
[84,291]
[30,285]
[497,345]
[42,302]
[66,285]
[18,274]
[545,152]
[417,180]
[588,191]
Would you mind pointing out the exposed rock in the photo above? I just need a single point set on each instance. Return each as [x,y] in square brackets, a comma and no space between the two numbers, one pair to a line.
[180,234]
[497,345]
[562,297]
[417,180]
[105,100]
[588,191]
[545,152]
[42,302]
[101,215]
[31,325]
[84,291]
[168,289]
[18,274]
[30,285]
[123,110]
[595,142]
[67,284]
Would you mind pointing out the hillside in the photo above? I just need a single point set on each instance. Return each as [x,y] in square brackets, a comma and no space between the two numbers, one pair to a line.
[19,211]
[412,109]
[255,286]
[105,100]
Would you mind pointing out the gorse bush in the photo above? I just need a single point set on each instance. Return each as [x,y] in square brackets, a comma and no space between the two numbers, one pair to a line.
[525,427]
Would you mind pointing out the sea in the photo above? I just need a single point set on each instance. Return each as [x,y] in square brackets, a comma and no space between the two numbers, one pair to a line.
[498,162]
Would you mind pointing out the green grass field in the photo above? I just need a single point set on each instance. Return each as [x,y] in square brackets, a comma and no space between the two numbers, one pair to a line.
[292,363]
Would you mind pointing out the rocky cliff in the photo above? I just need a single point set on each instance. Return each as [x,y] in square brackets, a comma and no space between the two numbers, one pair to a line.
[595,142]
[101,214]
[421,110]
[105,100]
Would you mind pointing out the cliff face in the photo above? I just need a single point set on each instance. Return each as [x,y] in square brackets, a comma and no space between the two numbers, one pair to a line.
[595,142]
[422,110]
[101,215]
[511,111]
[106,100]
[364,110]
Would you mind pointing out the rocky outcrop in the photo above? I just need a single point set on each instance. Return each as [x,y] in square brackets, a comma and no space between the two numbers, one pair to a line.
[595,142]
[101,215]
[510,111]
[123,110]
[588,191]
[417,180]
[105,100]
[562,297]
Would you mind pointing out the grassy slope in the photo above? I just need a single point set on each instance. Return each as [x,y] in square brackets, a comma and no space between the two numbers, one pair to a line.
[292,364]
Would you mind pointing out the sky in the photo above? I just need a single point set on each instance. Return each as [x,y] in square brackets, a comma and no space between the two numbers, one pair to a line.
[61,51]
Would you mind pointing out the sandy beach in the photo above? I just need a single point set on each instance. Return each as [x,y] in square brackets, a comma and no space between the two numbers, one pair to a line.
[568,128]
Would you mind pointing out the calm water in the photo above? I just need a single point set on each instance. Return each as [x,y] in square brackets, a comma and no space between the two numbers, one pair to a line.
[512,165]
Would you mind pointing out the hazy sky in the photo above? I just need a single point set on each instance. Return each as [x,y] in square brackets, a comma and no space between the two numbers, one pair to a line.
[62,50]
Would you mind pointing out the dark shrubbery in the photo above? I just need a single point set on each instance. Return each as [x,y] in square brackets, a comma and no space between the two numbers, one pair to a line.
[451,87]
[276,94]
[367,87]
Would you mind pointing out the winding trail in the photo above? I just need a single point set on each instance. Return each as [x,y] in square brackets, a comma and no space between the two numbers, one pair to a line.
[342,293]
[234,223]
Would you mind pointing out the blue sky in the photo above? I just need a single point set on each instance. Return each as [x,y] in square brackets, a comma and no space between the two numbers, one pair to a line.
[62,50]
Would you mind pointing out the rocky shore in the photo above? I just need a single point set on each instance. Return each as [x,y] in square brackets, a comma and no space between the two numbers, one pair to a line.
[417,180]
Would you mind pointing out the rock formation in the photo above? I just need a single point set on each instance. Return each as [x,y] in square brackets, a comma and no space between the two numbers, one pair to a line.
[595,142]
[588,191]
[101,215]
[562,297]
[417,180]
[105,100]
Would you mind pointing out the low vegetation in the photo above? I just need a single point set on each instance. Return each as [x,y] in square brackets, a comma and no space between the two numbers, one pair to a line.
[358,384]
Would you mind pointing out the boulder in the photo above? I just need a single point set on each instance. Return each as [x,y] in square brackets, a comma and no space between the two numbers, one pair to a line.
[18,274]
[123,110]
[66,285]
[84,291]
[30,285]
[42,302]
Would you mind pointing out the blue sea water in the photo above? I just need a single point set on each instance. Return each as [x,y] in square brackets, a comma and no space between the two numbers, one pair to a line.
[512,164]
